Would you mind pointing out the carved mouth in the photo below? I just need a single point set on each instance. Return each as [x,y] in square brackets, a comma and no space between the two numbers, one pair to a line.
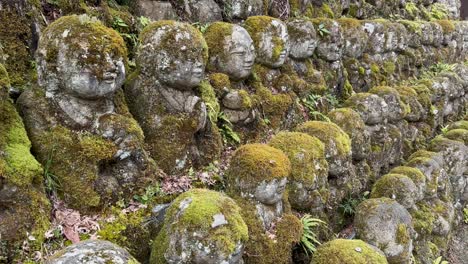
[109,77]
[248,66]
[283,54]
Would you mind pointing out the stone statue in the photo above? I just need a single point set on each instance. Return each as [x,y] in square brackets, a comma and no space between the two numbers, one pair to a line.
[78,119]
[257,179]
[273,88]
[164,96]
[231,58]
[201,226]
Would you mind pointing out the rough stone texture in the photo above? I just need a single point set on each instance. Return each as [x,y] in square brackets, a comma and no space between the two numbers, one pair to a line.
[202,11]
[348,251]
[92,251]
[235,10]
[387,225]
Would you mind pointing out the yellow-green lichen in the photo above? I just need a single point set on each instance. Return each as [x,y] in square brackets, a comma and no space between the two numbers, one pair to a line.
[458,135]
[215,36]
[414,174]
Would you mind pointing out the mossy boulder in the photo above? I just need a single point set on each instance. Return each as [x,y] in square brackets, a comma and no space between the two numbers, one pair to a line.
[4,83]
[384,223]
[350,121]
[416,109]
[303,38]
[201,226]
[354,37]
[346,251]
[416,176]
[372,108]
[337,144]
[396,186]
[458,135]
[330,47]
[462,124]
[309,169]
[92,251]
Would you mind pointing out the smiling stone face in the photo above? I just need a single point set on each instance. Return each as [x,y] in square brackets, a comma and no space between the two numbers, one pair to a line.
[303,38]
[271,40]
[231,50]
[77,55]
[173,52]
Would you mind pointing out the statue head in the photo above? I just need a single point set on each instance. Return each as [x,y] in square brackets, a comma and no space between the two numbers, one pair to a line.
[271,40]
[259,172]
[202,227]
[302,38]
[231,50]
[330,45]
[79,56]
[174,53]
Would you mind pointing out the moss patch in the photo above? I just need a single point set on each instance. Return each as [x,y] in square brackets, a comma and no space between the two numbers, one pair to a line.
[346,251]
[328,133]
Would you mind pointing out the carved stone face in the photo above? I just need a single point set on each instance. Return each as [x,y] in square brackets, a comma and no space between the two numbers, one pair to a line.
[330,46]
[270,38]
[271,192]
[175,53]
[79,78]
[303,39]
[237,55]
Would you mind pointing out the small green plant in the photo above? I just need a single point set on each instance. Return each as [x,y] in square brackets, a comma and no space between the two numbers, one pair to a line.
[143,21]
[51,181]
[201,27]
[440,261]
[309,238]
[322,30]
[444,129]
[349,204]
[312,102]
[225,127]
[150,192]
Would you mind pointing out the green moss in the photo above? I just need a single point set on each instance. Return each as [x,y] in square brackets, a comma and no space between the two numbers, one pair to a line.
[414,174]
[412,10]
[346,251]
[329,134]
[4,82]
[74,159]
[208,96]
[412,26]
[215,36]
[327,11]
[85,38]
[389,67]
[306,153]
[128,230]
[261,249]
[391,186]
[255,163]
[349,23]
[458,135]
[462,124]
[447,25]
[383,91]
[439,11]
[402,236]
[197,217]
[423,219]
[347,119]
[220,82]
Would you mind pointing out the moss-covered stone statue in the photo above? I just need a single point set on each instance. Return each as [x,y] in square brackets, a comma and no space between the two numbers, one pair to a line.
[273,88]
[24,207]
[231,58]
[166,98]
[348,251]
[299,66]
[201,226]
[257,179]
[77,117]
[307,185]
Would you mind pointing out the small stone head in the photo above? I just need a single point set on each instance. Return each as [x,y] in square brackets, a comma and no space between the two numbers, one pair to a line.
[231,50]
[271,40]
[202,227]
[175,53]
[331,44]
[259,172]
[79,56]
[302,37]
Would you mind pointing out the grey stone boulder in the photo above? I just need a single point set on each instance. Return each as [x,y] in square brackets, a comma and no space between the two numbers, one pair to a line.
[372,108]
[155,10]
[92,251]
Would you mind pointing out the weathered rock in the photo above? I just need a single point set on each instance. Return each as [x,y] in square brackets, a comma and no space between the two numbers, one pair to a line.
[397,110]
[372,108]
[155,10]
[235,10]
[201,226]
[330,47]
[92,251]
[202,11]
[384,223]
[398,187]
[303,39]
